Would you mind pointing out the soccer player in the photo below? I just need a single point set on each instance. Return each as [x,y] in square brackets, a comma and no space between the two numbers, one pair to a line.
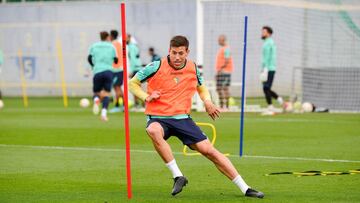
[154,56]
[224,68]
[268,66]
[134,62]
[101,57]
[117,71]
[171,84]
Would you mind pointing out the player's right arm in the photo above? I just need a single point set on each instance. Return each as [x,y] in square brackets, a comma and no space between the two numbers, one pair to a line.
[90,60]
[140,77]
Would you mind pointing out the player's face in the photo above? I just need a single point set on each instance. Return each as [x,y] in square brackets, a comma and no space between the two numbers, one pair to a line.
[264,34]
[178,56]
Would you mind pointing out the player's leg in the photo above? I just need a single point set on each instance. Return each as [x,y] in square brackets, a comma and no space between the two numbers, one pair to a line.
[157,134]
[107,83]
[221,161]
[226,90]
[266,88]
[219,89]
[272,93]
[225,166]
[97,90]
[117,82]
[267,93]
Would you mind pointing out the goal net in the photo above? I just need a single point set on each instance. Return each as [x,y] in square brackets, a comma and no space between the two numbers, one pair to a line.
[322,37]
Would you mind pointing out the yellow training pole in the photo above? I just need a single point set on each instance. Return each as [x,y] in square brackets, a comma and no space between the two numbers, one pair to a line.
[62,71]
[22,78]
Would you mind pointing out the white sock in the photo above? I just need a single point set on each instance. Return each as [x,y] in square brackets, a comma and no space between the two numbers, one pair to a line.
[103,112]
[173,167]
[241,184]
[280,100]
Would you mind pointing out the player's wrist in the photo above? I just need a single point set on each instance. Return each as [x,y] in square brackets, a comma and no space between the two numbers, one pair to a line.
[207,101]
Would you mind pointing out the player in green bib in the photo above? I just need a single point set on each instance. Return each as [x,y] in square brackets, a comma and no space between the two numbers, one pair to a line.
[101,57]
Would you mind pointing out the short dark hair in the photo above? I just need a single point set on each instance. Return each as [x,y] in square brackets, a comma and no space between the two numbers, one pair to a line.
[179,41]
[114,34]
[104,35]
[268,29]
[151,49]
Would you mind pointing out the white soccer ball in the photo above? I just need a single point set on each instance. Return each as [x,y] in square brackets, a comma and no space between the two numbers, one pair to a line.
[84,103]
[307,107]
[1,104]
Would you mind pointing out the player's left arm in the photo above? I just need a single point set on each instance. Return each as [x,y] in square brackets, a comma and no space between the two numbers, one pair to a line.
[204,94]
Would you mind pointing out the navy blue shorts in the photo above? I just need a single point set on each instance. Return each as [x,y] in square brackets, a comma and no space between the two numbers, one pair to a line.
[118,78]
[270,80]
[103,81]
[184,129]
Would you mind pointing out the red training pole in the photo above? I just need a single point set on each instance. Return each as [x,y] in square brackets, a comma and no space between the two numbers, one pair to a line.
[126,97]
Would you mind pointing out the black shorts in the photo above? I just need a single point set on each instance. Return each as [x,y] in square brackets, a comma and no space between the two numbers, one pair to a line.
[270,79]
[223,80]
[184,129]
[118,79]
[103,81]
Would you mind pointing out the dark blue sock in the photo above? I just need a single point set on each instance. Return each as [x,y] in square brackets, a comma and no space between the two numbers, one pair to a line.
[105,102]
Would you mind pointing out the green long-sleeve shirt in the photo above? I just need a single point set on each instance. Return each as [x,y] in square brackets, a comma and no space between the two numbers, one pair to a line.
[269,55]
[103,54]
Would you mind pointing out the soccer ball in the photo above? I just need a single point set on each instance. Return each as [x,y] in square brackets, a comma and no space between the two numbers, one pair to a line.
[288,107]
[307,107]
[84,103]
[1,104]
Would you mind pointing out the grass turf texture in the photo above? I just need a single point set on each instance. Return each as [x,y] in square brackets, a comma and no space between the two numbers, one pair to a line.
[88,169]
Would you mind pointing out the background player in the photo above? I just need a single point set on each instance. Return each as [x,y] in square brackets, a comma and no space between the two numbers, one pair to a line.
[224,68]
[101,57]
[268,67]
[172,82]
[117,71]
[154,56]
[135,64]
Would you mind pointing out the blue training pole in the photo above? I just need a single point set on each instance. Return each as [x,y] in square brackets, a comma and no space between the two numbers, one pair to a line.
[243,91]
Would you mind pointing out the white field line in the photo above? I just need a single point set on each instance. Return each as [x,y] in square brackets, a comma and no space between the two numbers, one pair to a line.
[151,151]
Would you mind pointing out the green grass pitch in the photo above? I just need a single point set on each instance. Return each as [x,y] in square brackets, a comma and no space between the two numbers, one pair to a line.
[52,154]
